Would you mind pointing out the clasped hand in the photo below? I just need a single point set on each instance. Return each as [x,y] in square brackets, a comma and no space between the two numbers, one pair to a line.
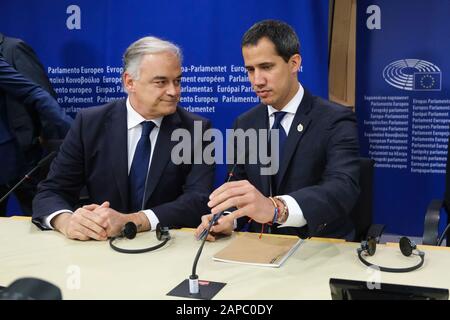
[92,221]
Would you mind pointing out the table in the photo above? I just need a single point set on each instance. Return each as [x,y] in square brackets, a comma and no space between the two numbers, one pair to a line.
[92,270]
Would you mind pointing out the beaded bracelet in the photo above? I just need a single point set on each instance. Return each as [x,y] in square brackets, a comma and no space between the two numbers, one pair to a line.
[276,211]
[283,214]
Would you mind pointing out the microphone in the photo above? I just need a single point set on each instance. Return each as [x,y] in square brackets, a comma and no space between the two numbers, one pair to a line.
[44,161]
[193,278]
[441,238]
[217,216]
[189,288]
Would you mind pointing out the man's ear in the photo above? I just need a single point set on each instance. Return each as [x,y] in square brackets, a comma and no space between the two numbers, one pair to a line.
[128,82]
[295,62]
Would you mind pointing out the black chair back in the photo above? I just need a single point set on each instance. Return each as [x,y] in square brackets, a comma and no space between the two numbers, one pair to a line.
[361,214]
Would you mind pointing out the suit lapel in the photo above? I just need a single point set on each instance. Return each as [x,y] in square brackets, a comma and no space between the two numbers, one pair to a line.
[298,129]
[117,146]
[161,152]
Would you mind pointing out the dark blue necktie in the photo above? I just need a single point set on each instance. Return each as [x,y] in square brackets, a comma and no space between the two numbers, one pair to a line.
[277,125]
[139,167]
[282,139]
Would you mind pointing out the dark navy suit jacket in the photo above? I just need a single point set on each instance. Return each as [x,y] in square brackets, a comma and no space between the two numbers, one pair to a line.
[14,86]
[319,169]
[94,153]
[27,124]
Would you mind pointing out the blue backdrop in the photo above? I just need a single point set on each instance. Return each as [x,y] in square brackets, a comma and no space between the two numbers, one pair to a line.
[82,42]
[403,104]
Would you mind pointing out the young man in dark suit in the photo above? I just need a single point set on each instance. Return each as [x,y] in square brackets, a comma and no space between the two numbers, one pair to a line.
[122,150]
[316,185]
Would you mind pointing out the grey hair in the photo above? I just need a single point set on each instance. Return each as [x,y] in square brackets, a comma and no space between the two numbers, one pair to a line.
[147,45]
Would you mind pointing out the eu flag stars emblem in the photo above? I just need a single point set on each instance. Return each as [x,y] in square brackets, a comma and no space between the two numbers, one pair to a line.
[427,81]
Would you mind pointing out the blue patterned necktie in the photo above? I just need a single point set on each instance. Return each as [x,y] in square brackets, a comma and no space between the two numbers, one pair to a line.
[139,167]
[282,139]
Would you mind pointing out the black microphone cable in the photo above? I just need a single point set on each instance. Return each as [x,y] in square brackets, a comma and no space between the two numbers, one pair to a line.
[41,164]
[193,278]
[441,239]
[129,231]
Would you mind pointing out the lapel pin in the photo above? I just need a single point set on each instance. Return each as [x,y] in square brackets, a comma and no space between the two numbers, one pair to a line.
[300,127]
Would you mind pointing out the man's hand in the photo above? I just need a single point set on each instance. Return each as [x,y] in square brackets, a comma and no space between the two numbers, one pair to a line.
[82,224]
[222,227]
[244,196]
[98,222]
[113,220]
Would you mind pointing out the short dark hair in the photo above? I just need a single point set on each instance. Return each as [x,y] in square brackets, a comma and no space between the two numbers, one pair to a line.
[280,33]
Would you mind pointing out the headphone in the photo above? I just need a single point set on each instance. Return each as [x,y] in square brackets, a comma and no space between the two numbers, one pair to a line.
[407,247]
[129,231]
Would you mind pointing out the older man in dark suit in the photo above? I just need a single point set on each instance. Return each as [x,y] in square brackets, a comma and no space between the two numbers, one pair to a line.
[316,185]
[121,151]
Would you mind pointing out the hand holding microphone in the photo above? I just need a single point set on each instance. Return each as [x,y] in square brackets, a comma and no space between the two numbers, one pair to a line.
[211,222]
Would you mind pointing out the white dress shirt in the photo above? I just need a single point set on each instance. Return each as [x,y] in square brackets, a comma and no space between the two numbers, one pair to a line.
[134,131]
[296,217]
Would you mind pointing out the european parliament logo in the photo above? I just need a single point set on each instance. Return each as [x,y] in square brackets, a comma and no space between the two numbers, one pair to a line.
[413,75]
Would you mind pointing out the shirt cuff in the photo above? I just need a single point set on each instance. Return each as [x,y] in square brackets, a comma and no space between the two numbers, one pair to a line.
[48,219]
[296,217]
[152,218]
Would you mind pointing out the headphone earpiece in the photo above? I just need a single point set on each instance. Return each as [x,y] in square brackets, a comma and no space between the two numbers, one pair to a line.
[129,231]
[369,246]
[162,233]
[407,248]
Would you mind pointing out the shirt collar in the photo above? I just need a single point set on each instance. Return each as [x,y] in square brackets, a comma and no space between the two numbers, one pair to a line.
[292,105]
[134,118]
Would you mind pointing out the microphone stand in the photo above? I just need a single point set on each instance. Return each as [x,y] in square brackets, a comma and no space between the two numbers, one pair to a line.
[190,288]
[193,278]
